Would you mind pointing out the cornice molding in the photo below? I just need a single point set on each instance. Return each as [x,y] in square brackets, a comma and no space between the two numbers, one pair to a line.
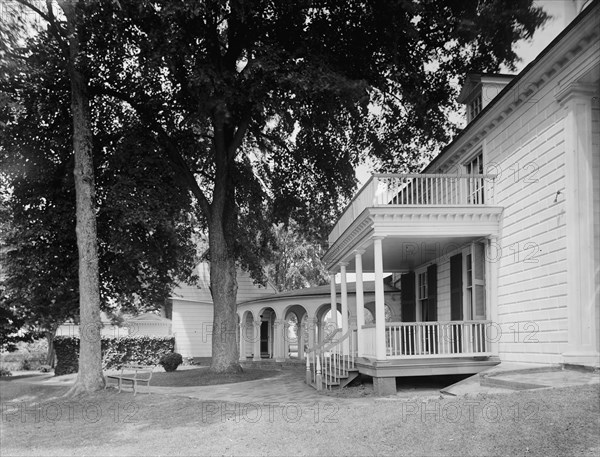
[430,221]
[576,90]
[524,89]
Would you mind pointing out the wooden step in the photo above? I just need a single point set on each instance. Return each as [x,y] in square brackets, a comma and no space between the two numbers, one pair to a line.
[334,380]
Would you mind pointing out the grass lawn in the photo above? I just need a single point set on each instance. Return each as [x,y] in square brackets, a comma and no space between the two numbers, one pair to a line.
[203,377]
[550,422]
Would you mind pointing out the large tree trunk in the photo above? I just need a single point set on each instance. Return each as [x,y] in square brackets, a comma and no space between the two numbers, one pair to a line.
[90,376]
[223,283]
[50,334]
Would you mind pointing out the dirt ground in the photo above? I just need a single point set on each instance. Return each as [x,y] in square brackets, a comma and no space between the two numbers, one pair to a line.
[36,420]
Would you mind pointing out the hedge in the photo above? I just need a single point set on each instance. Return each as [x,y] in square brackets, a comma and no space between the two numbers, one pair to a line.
[143,350]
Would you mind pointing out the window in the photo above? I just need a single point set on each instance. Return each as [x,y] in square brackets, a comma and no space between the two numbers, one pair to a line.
[475,180]
[475,107]
[422,295]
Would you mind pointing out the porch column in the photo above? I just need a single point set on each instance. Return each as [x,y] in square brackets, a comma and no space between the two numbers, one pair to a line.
[583,296]
[257,323]
[360,301]
[380,350]
[494,332]
[278,340]
[344,294]
[333,317]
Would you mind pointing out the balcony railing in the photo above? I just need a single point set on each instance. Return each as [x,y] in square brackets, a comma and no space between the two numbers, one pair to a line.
[414,190]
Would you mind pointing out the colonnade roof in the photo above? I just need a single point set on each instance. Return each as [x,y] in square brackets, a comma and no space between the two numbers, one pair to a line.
[368,287]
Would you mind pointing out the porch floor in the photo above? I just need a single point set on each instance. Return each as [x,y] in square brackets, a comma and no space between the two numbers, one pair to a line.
[394,368]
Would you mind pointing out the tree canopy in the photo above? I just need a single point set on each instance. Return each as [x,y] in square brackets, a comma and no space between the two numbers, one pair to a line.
[263,108]
[144,228]
[295,262]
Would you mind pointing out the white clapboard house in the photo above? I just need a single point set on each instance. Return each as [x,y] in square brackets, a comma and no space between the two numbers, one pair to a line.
[490,254]
[495,243]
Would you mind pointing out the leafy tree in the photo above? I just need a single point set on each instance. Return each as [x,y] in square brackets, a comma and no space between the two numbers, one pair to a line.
[296,262]
[263,108]
[143,227]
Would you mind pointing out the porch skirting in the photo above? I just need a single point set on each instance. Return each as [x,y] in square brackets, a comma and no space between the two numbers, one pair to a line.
[424,367]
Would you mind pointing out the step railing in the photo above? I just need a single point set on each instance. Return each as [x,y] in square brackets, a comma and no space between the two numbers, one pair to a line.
[331,361]
[315,362]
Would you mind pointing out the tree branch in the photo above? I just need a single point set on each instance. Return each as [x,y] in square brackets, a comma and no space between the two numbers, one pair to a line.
[238,137]
[55,30]
[170,146]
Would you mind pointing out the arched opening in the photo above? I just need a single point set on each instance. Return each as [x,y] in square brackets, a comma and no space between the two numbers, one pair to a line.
[370,313]
[369,318]
[295,336]
[324,326]
[267,332]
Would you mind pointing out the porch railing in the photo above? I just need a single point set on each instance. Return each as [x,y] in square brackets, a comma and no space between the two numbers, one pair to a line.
[406,340]
[368,344]
[414,189]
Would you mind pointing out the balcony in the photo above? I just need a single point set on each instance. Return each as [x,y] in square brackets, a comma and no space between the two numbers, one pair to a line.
[416,190]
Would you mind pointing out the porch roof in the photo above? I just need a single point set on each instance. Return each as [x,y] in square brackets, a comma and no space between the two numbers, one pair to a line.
[412,236]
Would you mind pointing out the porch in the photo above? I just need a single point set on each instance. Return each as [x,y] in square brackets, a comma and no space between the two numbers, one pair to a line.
[436,234]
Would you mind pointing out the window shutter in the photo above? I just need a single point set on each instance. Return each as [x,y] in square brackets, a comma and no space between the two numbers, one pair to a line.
[456,300]
[407,293]
[432,293]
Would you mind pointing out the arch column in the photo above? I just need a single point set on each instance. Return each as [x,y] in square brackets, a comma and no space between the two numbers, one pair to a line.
[257,324]
[301,341]
[311,322]
[278,340]
[242,343]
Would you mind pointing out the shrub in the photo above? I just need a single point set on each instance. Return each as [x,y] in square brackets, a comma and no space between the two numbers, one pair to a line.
[170,362]
[4,373]
[142,350]
[67,355]
[27,356]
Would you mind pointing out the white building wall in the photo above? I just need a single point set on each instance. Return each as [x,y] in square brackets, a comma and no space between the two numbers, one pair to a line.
[596,167]
[443,288]
[527,151]
[192,327]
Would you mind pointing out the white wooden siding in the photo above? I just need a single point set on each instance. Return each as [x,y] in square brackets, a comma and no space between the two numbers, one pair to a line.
[193,311]
[596,167]
[527,151]
[443,288]
[192,327]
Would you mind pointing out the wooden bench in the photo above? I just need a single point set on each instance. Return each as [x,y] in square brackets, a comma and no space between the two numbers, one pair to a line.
[136,374]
